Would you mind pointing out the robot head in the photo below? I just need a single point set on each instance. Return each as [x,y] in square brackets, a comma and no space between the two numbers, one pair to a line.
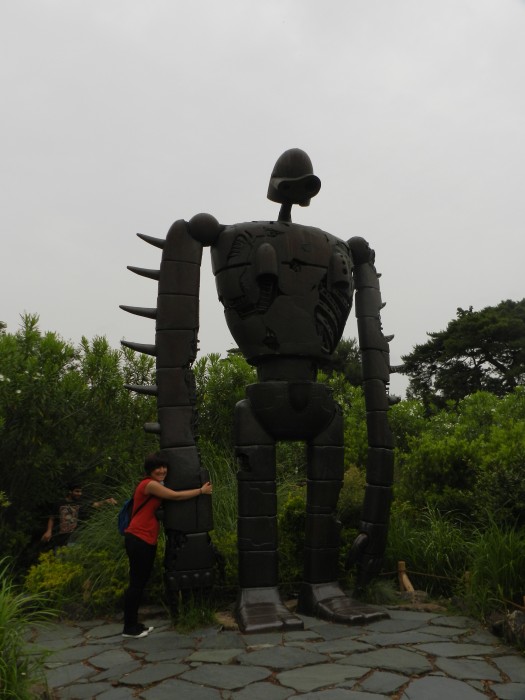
[293,180]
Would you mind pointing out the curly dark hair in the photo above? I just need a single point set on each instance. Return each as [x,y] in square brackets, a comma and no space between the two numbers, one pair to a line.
[153,461]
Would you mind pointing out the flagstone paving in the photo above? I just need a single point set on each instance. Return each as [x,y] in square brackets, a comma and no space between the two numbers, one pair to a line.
[411,656]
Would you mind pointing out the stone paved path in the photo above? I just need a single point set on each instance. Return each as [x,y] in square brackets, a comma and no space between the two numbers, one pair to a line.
[412,656]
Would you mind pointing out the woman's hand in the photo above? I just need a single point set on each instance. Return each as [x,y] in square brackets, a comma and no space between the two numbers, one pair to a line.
[207,488]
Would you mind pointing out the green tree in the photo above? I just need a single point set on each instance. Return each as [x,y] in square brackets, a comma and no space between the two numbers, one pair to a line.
[478,351]
[64,413]
[346,360]
[470,459]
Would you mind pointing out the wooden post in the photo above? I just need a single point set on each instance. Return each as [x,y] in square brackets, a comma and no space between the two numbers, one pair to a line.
[404,581]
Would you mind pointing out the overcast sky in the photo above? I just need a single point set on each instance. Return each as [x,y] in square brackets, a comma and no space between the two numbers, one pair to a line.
[120,116]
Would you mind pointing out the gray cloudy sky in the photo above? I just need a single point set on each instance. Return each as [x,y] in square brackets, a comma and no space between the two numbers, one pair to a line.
[121,116]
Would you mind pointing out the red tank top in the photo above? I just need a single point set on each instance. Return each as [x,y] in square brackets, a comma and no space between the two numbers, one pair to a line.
[144,523]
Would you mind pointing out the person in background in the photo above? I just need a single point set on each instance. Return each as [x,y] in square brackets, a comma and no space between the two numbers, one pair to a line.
[142,534]
[67,514]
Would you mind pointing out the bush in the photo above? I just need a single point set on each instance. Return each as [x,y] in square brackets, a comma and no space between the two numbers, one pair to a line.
[291,523]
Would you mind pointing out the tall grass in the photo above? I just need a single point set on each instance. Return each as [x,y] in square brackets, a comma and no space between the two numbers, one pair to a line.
[496,577]
[483,567]
[20,668]
[436,547]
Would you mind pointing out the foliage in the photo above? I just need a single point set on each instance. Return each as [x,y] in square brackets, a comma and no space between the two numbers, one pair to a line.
[64,414]
[20,667]
[434,545]
[351,399]
[291,524]
[469,459]
[478,351]
[196,613]
[496,570]
[346,360]
[351,497]
[89,577]
[484,568]
[220,385]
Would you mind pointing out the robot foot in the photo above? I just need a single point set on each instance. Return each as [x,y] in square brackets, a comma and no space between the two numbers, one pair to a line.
[262,610]
[327,601]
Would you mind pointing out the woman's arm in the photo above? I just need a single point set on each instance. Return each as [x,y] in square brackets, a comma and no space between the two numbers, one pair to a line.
[49,532]
[153,488]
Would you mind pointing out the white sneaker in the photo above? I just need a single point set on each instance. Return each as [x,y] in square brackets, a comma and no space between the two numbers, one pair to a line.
[137,632]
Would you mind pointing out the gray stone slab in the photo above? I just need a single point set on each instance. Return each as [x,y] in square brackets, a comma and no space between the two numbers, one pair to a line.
[383,682]
[310,678]
[262,691]
[262,640]
[308,621]
[57,644]
[400,614]
[281,657]
[439,687]
[344,645]
[214,656]
[513,666]
[509,691]
[397,625]
[456,621]
[104,630]
[111,658]
[449,632]
[400,660]
[59,632]
[89,624]
[83,691]
[468,669]
[211,631]
[457,649]
[117,672]
[300,636]
[227,677]
[403,638]
[65,675]
[329,630]
[159,642]
[117,694]
[168,655]
[174,688]
[224,640]
[340,694]
[481,637]
[153,673]
[78,653]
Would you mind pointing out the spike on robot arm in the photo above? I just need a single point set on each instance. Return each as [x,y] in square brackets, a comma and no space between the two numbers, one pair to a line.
[368,549]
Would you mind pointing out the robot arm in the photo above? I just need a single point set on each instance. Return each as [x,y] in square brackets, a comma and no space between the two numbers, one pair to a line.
[369,546]
[190,556]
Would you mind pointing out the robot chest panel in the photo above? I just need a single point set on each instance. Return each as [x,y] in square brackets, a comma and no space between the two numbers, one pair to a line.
[297,258]
[285,288]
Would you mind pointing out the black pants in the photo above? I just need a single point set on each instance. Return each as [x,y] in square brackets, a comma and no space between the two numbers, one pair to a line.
[141,557]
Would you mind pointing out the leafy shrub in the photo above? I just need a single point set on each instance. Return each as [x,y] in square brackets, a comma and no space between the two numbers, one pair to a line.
[291,523]
[469,458]
[350,502]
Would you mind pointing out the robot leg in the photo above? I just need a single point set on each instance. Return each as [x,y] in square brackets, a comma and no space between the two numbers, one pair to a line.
[259,606]
[321,594]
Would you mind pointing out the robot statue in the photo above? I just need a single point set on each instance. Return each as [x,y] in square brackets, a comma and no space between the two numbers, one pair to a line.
[287,291]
